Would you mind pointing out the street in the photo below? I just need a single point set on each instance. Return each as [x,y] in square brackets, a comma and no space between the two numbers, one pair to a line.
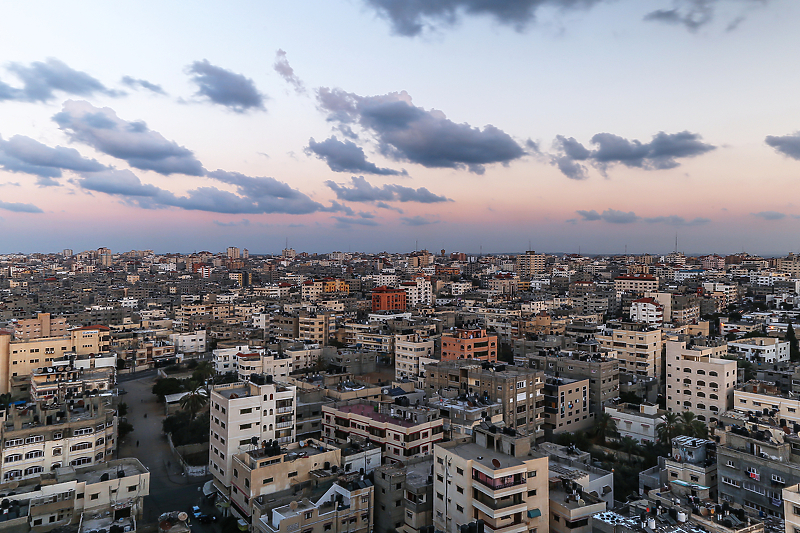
[169,489]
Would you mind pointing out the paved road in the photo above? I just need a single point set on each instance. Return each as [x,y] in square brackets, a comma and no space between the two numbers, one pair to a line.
[169,490]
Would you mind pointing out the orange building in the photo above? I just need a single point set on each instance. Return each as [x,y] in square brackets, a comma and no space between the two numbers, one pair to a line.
[387,299]
[469,344]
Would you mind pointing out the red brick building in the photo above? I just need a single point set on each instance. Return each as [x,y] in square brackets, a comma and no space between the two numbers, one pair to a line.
[388,299]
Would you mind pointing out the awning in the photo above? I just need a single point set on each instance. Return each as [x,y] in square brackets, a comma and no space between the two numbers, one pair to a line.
[208,488]
[533,513]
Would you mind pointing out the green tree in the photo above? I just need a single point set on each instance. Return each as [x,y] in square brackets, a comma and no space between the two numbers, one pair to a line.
[605,427]
[124,428]
[122,409]
[629,446]
[194,401]
[204,372]
[165,386]
[5,401]
[668,429]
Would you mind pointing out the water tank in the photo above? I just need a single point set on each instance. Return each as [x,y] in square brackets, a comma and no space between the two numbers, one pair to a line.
[681,518]
[651,523]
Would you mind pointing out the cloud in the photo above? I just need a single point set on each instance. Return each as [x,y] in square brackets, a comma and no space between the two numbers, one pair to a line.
[363,191]
[788,145]
[226,88]
[132,142]
[40,81]
[136,83]
[609,215]
[243,222]
[662,152]
[26,155]
[769,215]
[694,14]
[412,17]
[346,157]
[417,221]
[286,72]
[20,208]
[405,132]
[346,222]
[674,220]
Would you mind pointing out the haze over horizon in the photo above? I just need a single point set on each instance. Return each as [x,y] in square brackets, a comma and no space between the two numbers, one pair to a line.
[369,125]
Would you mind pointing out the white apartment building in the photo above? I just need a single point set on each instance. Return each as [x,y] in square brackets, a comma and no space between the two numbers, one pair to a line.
[647,311]
[637,421]
[267,362]
[457,288]
[190,342]
[412,351]
[698,382]
[243,416]
[225,359]
[758,396]
[758,350]
[418,292]
[791,508]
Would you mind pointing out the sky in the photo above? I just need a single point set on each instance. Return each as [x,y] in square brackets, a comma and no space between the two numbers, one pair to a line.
[592,126]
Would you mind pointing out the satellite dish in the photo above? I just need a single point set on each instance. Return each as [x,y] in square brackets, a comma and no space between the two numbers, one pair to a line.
[165,525]
[496,463]
[182,516]
[302,444]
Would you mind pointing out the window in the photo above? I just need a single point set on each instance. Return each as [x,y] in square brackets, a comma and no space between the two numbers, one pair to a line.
[460,471]
[13,457]
[459,508]
[268,480]
[532,492]
[245,426]
[291,474]
[95,496]
[460,490]
[33,454]
[532,474]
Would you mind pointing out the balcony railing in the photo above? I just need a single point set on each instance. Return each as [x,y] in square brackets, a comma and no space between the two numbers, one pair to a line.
[497,484]
[284,409]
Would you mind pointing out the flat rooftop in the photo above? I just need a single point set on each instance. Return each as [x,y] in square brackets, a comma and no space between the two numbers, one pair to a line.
[369,411]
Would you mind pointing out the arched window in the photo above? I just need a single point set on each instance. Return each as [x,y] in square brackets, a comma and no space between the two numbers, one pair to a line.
[13,457]
[99,456]
[701,394]
[55,465]
[80,446]
[687,370]
[33,470]
[687,404]
[33,454]
[713,396]
[701,383]
[80,461]
[687,381]
[701,406]
[701,418]
[714,385]
[11,474]
[714,408]
[56,451]
[713,373]
[701,372]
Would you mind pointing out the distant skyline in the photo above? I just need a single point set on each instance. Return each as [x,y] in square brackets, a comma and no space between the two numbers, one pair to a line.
[369,125]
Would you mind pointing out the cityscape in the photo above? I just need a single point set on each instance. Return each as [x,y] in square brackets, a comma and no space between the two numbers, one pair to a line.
[400,266]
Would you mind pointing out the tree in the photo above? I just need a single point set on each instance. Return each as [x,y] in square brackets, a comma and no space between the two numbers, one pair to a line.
[629,446]
[166,386]
[668,429]
[122,409]
[605,426]
[203,372]
[123,429]
[194,401]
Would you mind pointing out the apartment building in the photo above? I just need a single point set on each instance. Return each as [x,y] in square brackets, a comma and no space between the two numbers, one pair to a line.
[519,390]
[640,422]
[600,368]
[576,465]
[20,358]
[401,431]
[692,462]
[388,299]
[497,478]
[412,352]
[469,344]
[190,342]
[43,325]
[226,359]
[638,348]
[243,416]
[566,405]
[266,362]
[419,292]
[647,311]
[760,350]
[791,508]
[462,414]
[404,496]
[635,284]
[765,398]
[697,381]
[346,507]
[530,264]
[59,383]
[41,439]
[315,328]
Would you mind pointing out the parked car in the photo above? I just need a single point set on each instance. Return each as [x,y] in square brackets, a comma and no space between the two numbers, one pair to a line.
[196,511]
[207,518]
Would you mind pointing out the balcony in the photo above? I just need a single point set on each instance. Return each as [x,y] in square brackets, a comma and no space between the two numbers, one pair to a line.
[288,409]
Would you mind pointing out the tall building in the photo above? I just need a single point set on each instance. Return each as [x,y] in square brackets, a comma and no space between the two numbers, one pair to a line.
[531,264]
[243,416]
[388,299]
[497,478]
[638,348]
[566,405]
[698,382]
[42,326]
[469,344]
[233,252]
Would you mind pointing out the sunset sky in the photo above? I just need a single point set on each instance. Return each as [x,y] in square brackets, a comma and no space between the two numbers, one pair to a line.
[371,125]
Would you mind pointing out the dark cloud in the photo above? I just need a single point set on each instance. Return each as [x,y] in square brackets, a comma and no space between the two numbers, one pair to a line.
[20,208]
[662,152]
[26,155]
[412,17]
[609,215]
[694,14]
[769,215]
[269,194]
[226,88]
[40,81]
[417,221]
[286,72]
[788,145]
[136,83]
[405,132]
[674,220]
[346,156]
[133,142]
[363,191]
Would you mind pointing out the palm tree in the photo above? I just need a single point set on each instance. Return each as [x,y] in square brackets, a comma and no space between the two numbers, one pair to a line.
[698,429]
[203,372]
[686,425]
[668,429]
[605,426]
[629,446]
[194,401]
